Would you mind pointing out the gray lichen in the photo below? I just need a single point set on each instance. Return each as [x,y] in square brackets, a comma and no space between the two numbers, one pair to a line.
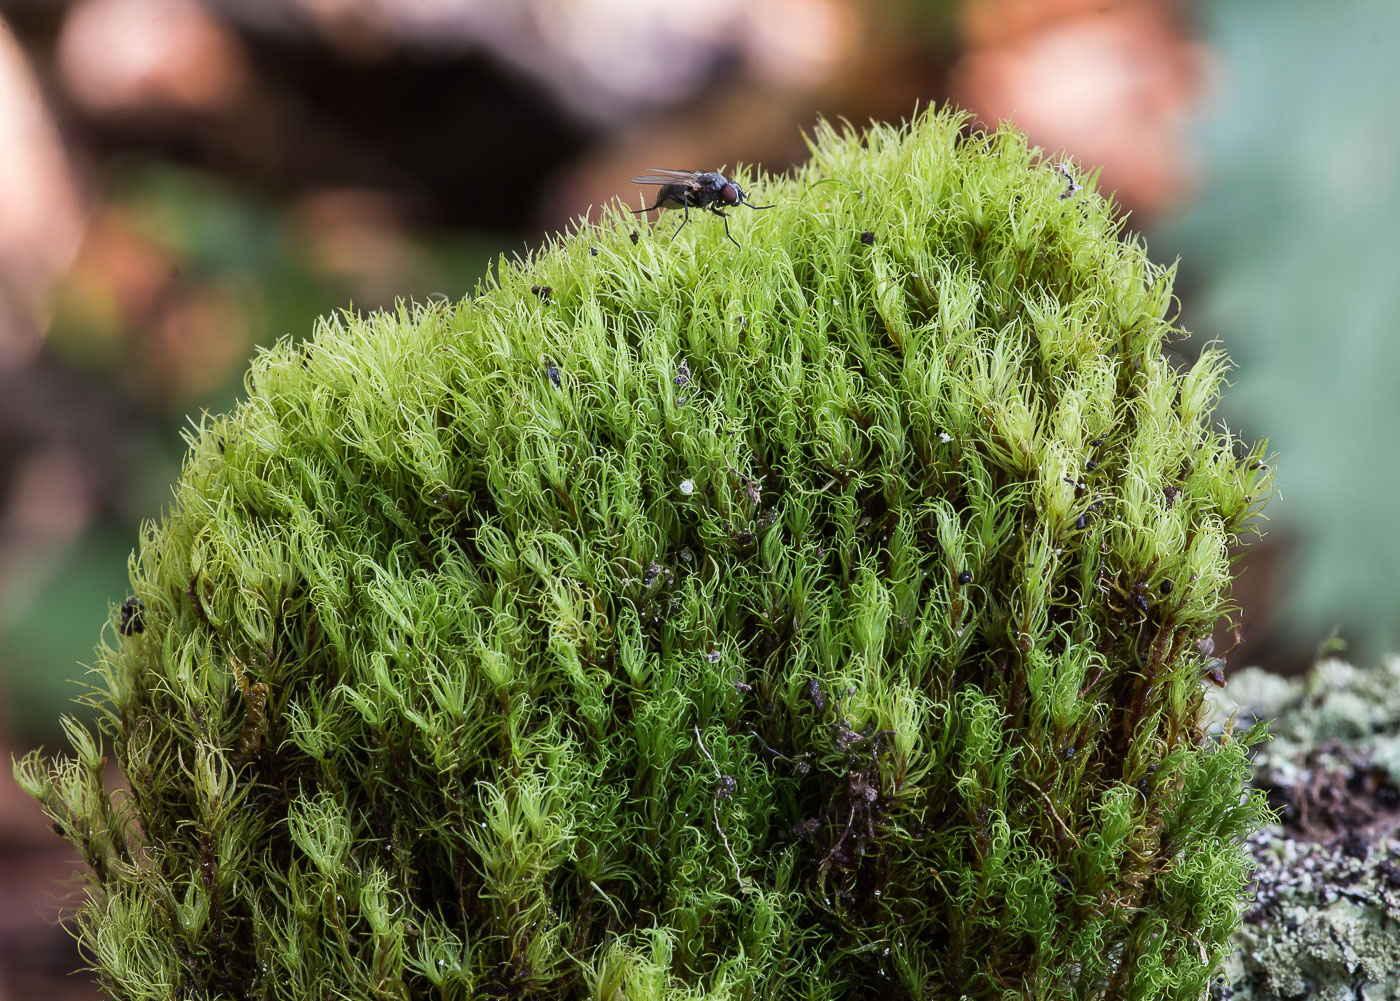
[1324,920]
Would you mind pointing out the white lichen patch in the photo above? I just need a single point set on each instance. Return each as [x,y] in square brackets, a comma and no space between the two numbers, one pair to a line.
[1323,921]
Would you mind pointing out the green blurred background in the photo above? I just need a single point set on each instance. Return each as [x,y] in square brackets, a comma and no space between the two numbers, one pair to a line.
[183,181]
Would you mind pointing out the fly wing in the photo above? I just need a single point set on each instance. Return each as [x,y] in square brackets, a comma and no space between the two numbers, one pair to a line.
[659,176]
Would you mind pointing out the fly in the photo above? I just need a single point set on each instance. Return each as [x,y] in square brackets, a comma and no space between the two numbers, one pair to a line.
[703,189]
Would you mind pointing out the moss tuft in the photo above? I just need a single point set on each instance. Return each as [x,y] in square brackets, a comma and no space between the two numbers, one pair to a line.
[812,619]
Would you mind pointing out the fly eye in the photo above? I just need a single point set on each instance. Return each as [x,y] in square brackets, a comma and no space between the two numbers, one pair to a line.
[730,194]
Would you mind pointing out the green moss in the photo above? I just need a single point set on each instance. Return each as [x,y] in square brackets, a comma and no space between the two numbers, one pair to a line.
[815,619]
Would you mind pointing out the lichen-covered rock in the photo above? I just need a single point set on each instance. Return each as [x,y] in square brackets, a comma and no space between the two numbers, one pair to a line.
[1324,908]
[813,618]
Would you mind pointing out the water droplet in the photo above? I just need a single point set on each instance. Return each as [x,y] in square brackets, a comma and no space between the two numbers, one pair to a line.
[687,487]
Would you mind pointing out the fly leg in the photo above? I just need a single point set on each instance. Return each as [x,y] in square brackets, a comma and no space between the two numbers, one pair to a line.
[685,204]
[726,226]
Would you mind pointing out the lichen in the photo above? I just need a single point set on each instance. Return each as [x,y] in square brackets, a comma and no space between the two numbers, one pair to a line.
[817,617]
[1324,906]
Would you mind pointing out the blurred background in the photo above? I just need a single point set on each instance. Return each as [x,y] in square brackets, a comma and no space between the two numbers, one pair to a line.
[182,181]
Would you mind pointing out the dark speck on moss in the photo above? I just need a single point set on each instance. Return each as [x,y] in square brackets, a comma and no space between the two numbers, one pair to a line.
[133,616]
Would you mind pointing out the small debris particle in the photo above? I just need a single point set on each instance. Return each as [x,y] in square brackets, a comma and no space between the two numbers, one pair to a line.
[1092,464]
[553,372]
[1081,521]
[814,693]
[965,577]
[1074,186]
[133,621]
[543,291]
[713,656]
[867,238]
[944,437]
[687,487]
[635,237]
[1171,494]
[1166,586]
[727,786]
[682,374]
[593,251]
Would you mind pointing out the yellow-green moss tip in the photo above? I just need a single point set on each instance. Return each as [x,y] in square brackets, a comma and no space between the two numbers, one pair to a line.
[812,619]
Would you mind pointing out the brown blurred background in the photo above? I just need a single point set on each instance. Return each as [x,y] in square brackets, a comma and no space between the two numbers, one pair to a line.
[182,181]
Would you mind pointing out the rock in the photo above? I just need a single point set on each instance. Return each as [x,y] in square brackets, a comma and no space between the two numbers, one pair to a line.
[1322,921]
